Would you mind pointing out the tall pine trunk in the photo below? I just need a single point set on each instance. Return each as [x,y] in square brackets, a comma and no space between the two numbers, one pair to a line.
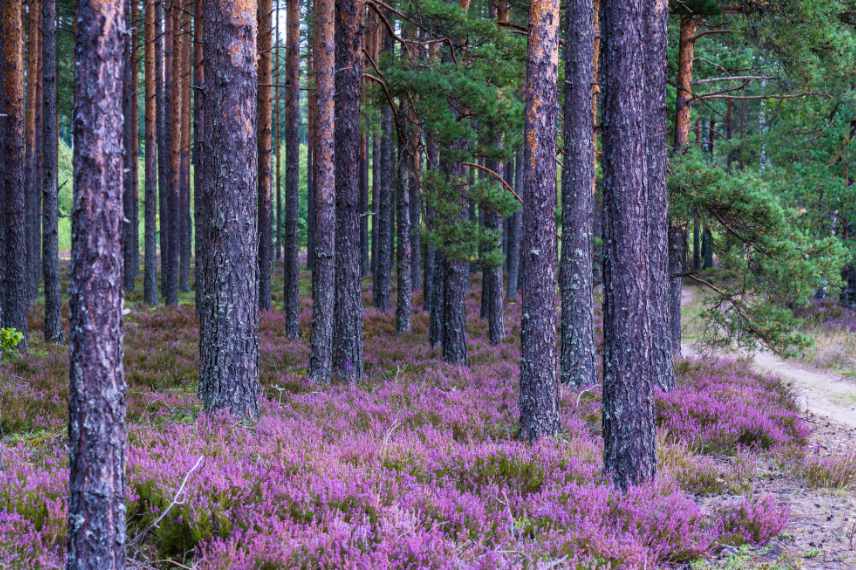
[539,394]
[185,236]
[228,340]
[404,252]
[175,39]
[150,291]
[129,225]
[515,232]
[50,218]
[33,136]
[198,149]
[348,312]
[265,253]
[576,272]
[97,436]
[383,269]
[292,171]
[659,312]
[163,56]
[324,247]
[15,276]
[628,402]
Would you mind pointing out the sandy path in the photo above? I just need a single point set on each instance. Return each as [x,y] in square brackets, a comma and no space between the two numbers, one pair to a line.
[818,391]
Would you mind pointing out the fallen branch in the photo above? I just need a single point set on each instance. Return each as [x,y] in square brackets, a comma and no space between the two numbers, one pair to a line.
[175,501]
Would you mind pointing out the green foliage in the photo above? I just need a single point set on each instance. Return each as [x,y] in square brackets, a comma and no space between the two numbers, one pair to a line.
[771,260]
[9,340]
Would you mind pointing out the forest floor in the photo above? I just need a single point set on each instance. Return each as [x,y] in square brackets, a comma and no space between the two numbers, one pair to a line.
[419,466]
[822,526]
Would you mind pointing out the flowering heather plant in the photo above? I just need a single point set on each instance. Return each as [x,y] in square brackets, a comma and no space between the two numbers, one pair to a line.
[419,467]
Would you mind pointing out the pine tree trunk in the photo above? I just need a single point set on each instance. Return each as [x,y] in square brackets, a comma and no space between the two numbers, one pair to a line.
[198,150]
[375,201]
[16,280]
[128,135]
[33,145]
[383,270]
[348,312]
[163,58]
[228,340]
[539,394]
[364,205]
[658,199]
[277,137]
[628,403]
[404,253]
[320,360]
[292,171]
[707,248]
[173,220]
[186,236]
[97,436]
[576,272]
[515,233]
[265,126]
[50,244]
[150,291]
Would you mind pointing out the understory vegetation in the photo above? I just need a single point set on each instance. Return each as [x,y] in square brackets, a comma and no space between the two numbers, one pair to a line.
[418,466]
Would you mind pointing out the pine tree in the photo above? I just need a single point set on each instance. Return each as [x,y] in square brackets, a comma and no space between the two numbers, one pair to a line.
[15,276]
[53,330]
[265,250]
[539,394]
[292,172]
[628,382]
[324,247]
[576,273]
[97,435]
[228,340]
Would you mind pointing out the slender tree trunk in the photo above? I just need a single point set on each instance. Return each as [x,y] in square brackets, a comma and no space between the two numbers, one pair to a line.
[515,232]
[277,136]
[50,254]
[163,57]
[576,272]
[364,205]
[539,394]
[228,340]
[311,159]
[707,248]
[320,360]
[97,436]
[265,253]
[404,252]
[375,201]
[696,242]
[173,219]
[348,312]
[185,238]
[198,150]
[383,270]
[678,231]
[128,136]
[628,403]
[33,156]
[150,290]
[292,171]
[658,199]
[16,284]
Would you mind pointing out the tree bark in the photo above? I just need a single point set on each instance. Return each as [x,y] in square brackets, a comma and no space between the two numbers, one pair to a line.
[515,232]
[292,171]
[265,253]
[348,312]
[277,136]
[130,238]
[97,436]
[383,270]
[228,340]
[175,39]
[163,57]
[16,279]
[628,403]
[50,244]
[404,252]
[198,150]
[185,237]
[658,199]
[576,272]
[375,201]
[33,145]
[539,394]
[150,291]
[364,205]
[320,360]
